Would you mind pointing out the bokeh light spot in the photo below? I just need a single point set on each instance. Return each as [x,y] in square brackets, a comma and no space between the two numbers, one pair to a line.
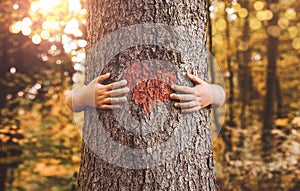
[13,70]
[255,24]
[16,6]
[221,24]
[36,39]
[296,43]
[243,13]
[274,30]
[259,5]
[290,14]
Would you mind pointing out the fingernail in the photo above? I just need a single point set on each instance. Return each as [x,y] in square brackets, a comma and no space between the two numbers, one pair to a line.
[176,104]
[172,86]
[108,74]
[172,95]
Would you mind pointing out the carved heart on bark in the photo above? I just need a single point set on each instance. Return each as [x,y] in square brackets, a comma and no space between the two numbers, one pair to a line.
[149,85]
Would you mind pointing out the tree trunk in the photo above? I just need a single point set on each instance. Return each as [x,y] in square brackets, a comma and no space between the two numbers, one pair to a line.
[3,171]
[269,110]
[230,121]
[244,73]
[134,148]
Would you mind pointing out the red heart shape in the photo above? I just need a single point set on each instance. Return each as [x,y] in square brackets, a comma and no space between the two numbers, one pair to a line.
[149,85]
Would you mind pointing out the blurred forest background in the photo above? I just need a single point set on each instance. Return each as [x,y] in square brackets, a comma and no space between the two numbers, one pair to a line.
[256,44]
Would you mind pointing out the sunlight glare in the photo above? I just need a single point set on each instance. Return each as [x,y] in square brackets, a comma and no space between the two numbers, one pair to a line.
[35,6]
[46,6]
[27,21]
[45,35]
[36,39]
[14,29]
[51,26]
[82,43]
[13,70]
[16,6]
[79,67]
[26,31]
[71,26]
[74,5]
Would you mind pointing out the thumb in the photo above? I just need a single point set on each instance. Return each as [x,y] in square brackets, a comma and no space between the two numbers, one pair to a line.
[101,78]
[196,79]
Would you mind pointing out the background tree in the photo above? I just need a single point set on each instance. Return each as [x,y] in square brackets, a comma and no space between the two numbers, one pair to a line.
[270,97]
[193,168]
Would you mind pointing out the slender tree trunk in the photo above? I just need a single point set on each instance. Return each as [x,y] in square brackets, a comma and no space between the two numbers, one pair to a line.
[227,135]
[190,169]
[269,111]
[3,171]
[245,78]
[230,78]
[279,98]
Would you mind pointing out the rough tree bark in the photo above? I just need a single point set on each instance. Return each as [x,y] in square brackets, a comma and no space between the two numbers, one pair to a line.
[191,169]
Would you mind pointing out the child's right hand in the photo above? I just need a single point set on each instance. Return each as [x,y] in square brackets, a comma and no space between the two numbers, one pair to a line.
[97,95]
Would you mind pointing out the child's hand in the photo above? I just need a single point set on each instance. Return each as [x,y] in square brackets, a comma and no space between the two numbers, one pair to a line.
[97,95]
[200,96]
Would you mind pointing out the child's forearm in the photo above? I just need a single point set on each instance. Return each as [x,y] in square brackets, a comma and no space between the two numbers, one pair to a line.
[218,95]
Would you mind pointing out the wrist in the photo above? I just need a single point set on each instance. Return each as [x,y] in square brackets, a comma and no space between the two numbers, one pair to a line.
[78,103]
[217,95]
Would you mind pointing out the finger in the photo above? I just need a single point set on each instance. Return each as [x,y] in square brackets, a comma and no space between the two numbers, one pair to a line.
[118,92]
[113,100]
[183,97]
[109,106]
[115,85]
[194,109]
[103,77]
[184,89]
[187,105]
[196,79]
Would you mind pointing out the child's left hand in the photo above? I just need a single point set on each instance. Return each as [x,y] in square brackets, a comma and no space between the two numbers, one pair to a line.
[193,98]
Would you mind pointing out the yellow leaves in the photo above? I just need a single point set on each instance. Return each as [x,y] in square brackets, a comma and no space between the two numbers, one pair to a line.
[6,129]
[282,122]
[51,170]
[296,122]
[75,159]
